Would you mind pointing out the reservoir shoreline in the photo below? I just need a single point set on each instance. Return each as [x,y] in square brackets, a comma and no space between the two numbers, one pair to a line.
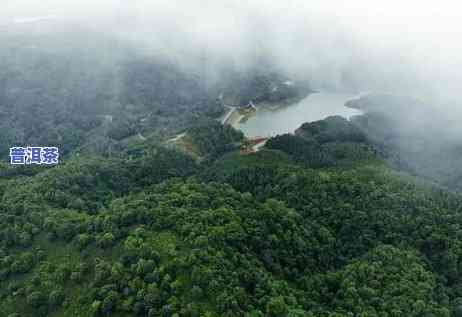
[270,119]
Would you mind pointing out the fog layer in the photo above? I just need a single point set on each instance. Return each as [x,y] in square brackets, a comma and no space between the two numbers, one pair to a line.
[408,47]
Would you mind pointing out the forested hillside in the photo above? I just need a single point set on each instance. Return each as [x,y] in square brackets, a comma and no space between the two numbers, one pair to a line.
[154,233]
[154,210]
[90,99]
[414,136]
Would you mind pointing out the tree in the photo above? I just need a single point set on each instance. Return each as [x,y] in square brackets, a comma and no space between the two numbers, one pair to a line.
[55,298]
[277,307]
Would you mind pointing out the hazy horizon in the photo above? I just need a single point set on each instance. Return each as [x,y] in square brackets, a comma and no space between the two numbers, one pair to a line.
[397,47]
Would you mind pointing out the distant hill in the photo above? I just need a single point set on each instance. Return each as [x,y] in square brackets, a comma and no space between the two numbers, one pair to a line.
[413,136]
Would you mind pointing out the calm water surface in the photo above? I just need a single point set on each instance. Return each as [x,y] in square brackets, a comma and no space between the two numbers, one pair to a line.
[315,107]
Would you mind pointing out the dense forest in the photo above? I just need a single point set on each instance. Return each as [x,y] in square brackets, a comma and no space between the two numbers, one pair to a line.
[152,232]
[328,221]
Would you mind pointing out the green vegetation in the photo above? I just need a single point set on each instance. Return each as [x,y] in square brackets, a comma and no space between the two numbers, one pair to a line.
[315,224]
[152,233]
[89,99]
[330,142]
[261,84]
[207,140]
[214,139]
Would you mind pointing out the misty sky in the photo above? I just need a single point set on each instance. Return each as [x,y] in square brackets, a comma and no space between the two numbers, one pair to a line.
[405,43]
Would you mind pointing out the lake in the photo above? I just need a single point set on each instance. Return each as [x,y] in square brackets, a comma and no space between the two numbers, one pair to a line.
[317,106]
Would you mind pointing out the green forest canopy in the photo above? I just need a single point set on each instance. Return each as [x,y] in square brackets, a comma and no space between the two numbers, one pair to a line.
[158,234]
[315,224]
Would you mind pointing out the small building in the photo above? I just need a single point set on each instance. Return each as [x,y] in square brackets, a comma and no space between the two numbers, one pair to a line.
[249,106]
